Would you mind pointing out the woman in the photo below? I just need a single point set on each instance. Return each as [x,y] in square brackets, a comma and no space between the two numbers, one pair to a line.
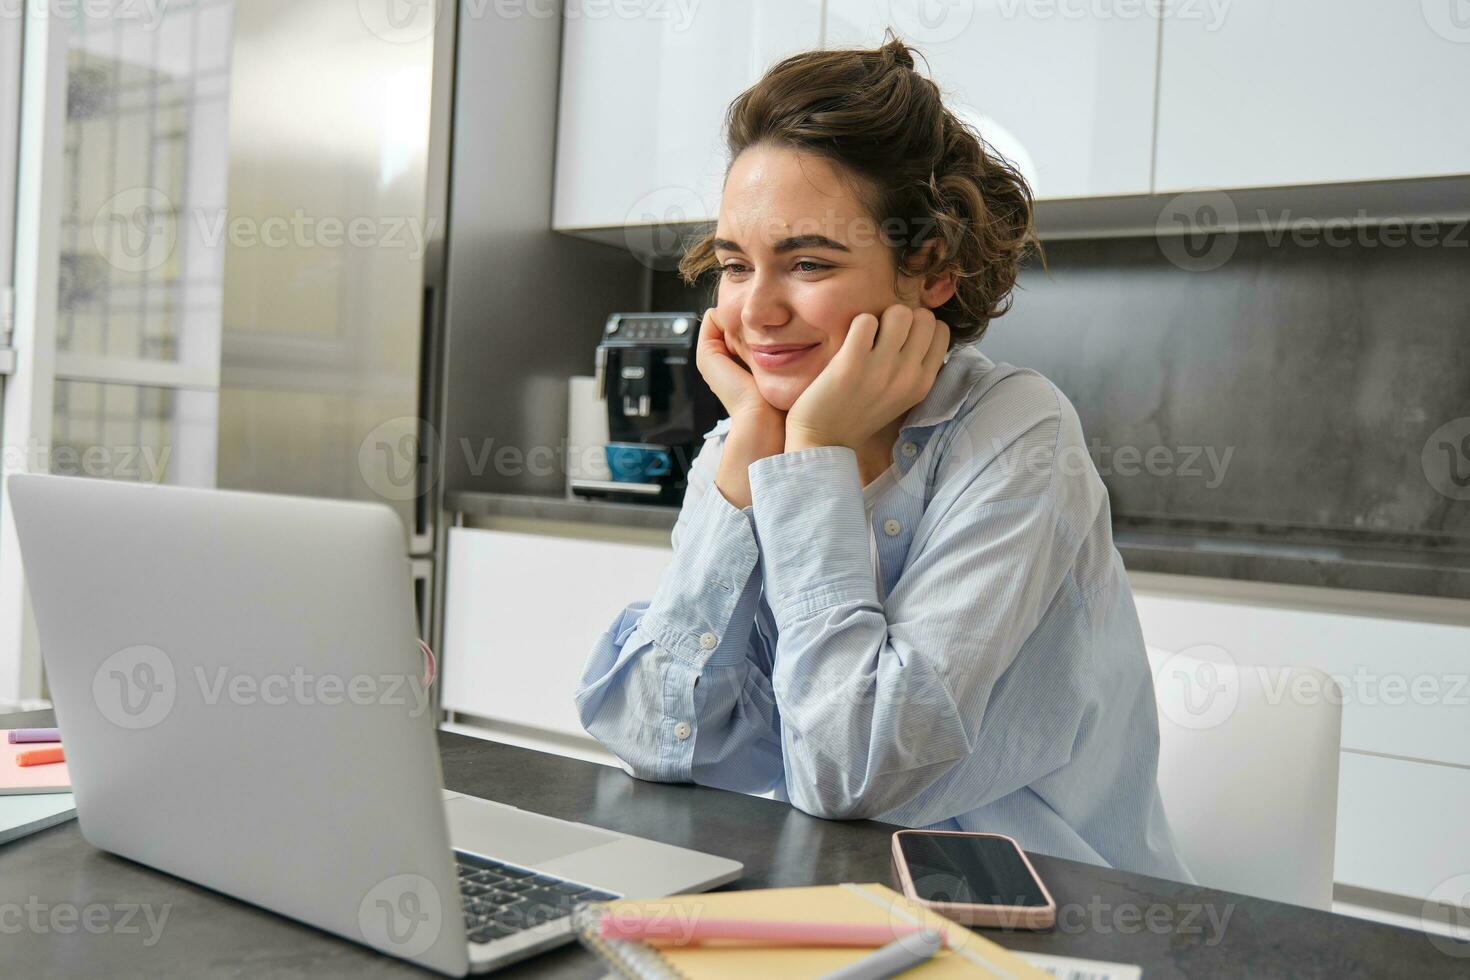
[894,592]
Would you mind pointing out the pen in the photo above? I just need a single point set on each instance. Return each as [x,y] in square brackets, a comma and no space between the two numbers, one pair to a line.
[896,957]
[655,928]
[39,757]
[35,735]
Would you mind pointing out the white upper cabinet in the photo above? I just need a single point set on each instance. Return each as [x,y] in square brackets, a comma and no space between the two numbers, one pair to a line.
[1065,91]
[640,134]
[1285,92]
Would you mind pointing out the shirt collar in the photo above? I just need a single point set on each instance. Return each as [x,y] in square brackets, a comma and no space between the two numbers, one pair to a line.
[952,386]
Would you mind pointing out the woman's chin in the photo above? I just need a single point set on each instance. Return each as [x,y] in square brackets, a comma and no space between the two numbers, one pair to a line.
[781,393]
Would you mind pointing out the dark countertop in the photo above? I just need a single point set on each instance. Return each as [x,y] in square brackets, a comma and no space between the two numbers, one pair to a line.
[1353,562]
[1171,929]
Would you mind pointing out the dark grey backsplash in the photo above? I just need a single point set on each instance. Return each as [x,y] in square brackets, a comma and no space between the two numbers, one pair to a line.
[1305,381]
[1289,415]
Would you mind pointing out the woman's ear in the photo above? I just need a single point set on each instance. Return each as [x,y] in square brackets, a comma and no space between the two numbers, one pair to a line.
[937,288]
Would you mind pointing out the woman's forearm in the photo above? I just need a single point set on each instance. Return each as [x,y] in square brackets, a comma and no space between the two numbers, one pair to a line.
[749,439]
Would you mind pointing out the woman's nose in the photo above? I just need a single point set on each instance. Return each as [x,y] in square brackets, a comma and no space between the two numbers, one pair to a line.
[763,305]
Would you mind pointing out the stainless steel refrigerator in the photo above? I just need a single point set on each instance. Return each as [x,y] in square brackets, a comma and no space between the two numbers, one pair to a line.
[334,258]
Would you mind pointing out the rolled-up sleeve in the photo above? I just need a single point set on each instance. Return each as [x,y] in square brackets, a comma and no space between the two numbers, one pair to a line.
[674,687]
[879,700]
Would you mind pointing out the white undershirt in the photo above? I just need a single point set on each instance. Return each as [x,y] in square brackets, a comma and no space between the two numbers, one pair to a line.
[871,493]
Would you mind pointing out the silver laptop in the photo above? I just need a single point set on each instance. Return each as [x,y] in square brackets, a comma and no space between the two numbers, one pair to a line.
[241,695]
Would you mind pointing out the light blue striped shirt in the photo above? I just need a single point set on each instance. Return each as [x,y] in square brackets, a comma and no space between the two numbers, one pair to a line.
[1001,685]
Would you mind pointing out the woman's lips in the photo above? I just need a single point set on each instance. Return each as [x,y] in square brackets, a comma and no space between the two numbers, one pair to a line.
[780,358]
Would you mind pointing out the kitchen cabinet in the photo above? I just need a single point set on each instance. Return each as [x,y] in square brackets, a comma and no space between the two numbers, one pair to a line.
[643,99]
[1065,92]
[522,614]
[1313,91]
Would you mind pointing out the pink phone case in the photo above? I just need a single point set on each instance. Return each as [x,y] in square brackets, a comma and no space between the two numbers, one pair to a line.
[998,916]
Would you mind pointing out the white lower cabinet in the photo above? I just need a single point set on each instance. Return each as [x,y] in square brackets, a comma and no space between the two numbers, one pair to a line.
[1401,828]
[521,615]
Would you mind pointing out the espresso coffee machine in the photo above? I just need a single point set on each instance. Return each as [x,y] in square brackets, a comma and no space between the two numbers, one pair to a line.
[658,406]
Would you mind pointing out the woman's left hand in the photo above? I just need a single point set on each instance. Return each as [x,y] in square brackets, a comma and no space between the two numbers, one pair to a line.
[868,384]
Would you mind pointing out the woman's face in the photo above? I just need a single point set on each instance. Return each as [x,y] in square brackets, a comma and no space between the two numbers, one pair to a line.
[800,258]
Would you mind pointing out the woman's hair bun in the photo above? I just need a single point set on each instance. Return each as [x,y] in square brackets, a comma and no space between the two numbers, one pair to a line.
[896,52]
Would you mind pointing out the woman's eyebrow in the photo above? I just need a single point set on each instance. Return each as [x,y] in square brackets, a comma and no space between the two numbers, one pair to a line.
[787,244]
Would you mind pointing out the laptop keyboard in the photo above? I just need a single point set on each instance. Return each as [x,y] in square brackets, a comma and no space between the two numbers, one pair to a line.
[501,899]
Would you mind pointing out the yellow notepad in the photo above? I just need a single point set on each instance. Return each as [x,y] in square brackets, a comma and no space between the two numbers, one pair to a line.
[971,956]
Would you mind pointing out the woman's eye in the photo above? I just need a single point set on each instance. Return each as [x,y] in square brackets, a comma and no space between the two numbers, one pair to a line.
[731,268]
[806,265]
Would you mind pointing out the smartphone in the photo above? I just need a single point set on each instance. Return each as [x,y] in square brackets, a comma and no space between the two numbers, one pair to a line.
[972,879]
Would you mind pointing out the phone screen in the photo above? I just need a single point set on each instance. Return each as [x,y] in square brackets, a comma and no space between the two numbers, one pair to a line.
[969,870]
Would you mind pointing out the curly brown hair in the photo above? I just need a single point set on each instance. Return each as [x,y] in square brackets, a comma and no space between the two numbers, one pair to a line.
[921,169]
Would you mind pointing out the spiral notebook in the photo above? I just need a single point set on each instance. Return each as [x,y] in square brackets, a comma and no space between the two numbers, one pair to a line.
[971,955]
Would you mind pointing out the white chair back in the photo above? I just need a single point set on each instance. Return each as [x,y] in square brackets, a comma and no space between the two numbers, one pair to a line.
[1248,760]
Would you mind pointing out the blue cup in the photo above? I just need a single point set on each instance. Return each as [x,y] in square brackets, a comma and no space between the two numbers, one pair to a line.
[630,462]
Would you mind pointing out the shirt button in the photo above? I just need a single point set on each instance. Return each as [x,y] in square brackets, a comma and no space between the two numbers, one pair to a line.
[891,527]
[909,450]
[708,641]
[682,730]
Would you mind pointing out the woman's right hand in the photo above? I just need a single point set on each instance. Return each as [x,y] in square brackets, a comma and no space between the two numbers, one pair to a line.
[757,429]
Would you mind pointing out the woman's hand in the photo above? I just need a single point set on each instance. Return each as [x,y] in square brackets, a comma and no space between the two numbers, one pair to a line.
[757,429]
[868,384]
